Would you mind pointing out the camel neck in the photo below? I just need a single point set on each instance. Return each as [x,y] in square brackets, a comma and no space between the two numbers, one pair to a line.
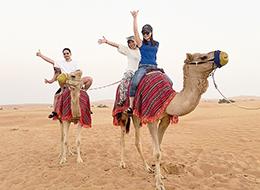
[188,98]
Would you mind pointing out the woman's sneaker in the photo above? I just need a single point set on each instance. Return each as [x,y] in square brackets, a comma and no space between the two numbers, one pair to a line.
[129,111]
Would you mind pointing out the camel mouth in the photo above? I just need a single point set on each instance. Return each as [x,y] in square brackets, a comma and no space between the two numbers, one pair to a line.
[62,78]
[220,58]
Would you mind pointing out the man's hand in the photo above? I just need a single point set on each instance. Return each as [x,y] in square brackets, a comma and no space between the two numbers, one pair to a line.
[101,41]
[39,54]
[46,81]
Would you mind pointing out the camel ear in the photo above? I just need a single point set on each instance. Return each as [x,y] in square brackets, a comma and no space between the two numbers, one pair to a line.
[189,58]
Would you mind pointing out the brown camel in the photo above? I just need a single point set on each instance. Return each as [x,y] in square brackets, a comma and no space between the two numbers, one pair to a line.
[71,85]
[196,70]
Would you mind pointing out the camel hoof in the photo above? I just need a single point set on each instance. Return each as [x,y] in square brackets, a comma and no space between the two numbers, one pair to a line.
[149,169]
[70,153]
[79,160]
[122,165]
[160,187]
[163,177]
[63,160]
[159,184]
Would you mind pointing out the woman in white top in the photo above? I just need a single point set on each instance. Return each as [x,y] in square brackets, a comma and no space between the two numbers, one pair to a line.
[133,57]
[65,66]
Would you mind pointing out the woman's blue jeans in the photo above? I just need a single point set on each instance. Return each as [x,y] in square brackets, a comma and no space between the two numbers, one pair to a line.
[139,74]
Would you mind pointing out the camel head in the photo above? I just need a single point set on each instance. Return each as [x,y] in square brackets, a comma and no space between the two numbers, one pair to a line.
[72,80]
[204,63]
[216,59]
[200,65]
[74,83]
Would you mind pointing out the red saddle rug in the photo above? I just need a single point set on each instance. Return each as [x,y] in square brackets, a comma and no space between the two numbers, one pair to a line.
[153,95]
[119,109]
[63,107]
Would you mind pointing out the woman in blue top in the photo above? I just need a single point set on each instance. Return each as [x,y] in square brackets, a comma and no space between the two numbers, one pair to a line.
[148,48]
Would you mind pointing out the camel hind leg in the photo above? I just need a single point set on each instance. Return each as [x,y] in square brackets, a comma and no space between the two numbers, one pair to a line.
[122,147]
[138,143]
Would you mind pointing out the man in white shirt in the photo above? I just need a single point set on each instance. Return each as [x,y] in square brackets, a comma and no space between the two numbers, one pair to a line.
[65,66]
[133,57]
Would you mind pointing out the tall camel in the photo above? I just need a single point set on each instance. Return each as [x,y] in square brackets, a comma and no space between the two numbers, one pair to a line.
[72,106]
[196,70]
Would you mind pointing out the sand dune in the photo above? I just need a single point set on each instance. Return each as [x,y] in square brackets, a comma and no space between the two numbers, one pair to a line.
[214,147]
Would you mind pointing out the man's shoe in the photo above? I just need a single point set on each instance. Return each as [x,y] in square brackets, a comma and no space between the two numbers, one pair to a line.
[53,114]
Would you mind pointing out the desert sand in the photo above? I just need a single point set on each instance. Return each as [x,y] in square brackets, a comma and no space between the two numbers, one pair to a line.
[217,146]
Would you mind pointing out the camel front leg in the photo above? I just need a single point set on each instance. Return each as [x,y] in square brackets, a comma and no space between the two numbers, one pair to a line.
[78,141]
[164,123]
[138,144]
[122,147]
[69,151]
[65,141]
[157,155]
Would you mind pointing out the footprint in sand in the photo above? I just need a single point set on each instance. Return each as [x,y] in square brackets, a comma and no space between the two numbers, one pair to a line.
[175,169]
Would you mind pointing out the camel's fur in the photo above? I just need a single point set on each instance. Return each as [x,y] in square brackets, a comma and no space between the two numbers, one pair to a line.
[184,102]
[74,83]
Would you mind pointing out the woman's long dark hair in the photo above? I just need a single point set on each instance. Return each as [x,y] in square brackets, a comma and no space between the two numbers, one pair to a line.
[154,43]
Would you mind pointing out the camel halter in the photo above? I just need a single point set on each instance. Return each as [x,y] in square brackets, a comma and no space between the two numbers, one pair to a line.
[219,59]
[231,103]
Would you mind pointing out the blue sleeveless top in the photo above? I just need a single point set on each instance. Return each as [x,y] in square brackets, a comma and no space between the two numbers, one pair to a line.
[148,53]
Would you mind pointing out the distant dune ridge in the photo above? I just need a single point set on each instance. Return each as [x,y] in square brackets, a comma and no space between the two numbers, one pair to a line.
[214,147]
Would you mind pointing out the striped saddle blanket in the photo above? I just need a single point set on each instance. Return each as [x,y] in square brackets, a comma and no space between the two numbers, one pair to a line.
[63,107]
[118,109]
[153,95]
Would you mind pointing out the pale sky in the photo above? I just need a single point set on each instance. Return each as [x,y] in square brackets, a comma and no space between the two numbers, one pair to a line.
[180,26]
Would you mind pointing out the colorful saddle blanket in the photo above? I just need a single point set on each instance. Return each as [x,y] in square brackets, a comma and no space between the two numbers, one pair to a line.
[153,95]
[118,109]
[63,107]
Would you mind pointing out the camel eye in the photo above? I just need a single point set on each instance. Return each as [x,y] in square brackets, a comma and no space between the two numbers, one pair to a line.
[204,57]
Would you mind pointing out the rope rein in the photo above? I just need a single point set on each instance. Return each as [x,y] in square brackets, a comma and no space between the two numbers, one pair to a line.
[100,87]
[231,103]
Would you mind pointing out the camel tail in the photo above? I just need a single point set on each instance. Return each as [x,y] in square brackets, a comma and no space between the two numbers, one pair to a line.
[127,126]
